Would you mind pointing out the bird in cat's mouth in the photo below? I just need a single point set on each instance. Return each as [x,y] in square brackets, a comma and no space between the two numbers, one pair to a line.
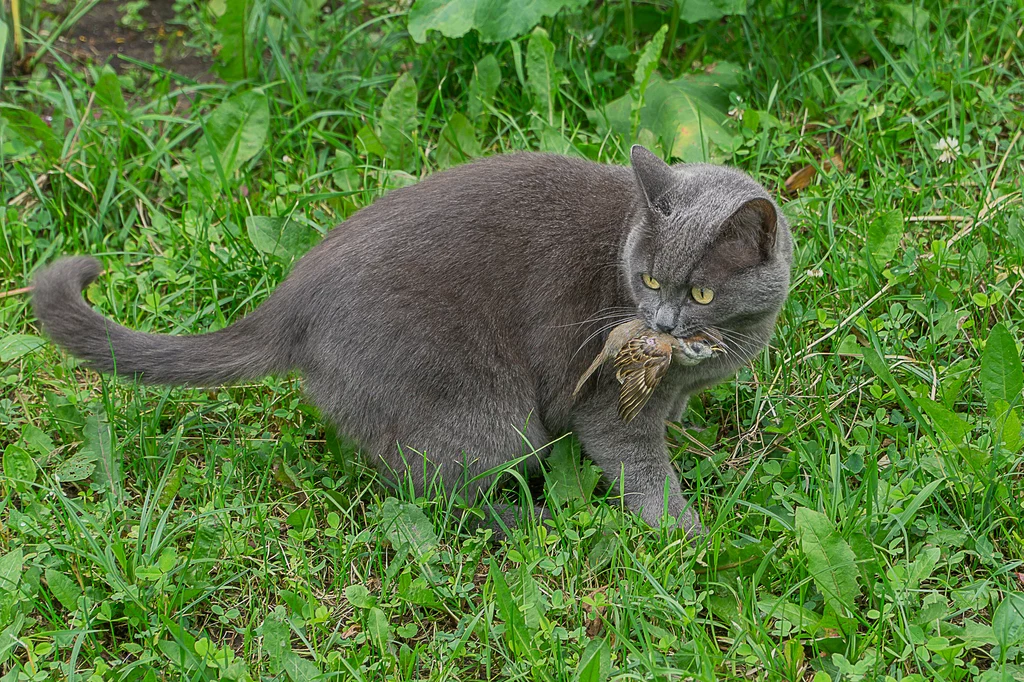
[642,357]
[697,348]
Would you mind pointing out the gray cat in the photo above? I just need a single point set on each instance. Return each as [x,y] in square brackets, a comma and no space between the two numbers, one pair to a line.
[444,327]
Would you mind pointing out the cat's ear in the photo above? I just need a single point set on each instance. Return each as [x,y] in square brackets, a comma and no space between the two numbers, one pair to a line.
[754,224]
[654,176]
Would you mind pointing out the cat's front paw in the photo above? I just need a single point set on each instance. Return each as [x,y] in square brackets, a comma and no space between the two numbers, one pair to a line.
[691,524]
[679,514]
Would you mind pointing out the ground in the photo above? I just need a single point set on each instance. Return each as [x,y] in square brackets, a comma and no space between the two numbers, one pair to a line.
[861,478]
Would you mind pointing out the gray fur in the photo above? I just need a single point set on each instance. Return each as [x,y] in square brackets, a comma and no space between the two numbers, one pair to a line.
[444,327]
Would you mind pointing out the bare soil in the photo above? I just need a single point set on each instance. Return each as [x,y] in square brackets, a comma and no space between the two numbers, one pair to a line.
[99,38]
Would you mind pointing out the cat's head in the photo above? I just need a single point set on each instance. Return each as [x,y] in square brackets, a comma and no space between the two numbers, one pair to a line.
[708,258]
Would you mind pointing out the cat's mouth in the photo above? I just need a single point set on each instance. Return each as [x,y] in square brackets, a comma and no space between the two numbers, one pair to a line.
[695,349]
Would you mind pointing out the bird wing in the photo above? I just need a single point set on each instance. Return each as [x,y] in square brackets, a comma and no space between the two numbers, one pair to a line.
[639,380]
[617,339]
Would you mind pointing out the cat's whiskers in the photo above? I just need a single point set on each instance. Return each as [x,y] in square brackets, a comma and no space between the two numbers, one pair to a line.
[750,338]
[610,325]
[590,321]
[739,349]
[598,316]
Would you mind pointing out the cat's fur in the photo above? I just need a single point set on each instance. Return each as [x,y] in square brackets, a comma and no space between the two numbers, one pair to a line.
[453,318]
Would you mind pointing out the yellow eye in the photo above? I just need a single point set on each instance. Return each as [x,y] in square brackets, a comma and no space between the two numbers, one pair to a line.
[702,295]
[650,282]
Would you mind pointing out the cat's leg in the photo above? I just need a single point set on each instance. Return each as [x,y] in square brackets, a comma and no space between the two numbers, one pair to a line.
[635,457]
[677,411]
[473,458]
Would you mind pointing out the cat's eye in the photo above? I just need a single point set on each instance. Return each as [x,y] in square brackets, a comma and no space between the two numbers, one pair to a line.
[702,295]
[650,282]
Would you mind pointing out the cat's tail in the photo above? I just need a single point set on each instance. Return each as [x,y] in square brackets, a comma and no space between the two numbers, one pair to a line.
[249,349]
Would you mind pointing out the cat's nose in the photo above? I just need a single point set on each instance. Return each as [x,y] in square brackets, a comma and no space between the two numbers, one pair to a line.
[665,320]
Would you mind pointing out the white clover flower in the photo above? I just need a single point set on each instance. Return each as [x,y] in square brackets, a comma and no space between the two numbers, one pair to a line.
[950,148]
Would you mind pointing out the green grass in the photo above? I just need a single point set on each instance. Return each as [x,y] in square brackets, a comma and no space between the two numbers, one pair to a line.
[862,478]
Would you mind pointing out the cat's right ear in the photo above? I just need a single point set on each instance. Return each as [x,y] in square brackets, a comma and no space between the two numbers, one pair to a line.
[654,176]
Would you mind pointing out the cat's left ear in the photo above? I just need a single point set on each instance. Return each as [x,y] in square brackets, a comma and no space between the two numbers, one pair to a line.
[654,176]
[756,223]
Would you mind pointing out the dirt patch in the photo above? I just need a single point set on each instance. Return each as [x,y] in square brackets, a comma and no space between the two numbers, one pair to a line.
[100,37]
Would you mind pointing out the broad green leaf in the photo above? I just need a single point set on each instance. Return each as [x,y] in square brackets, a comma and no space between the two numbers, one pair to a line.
[923,565]
[800,618]
[595,662]
[552,140]
[31,129]
[15,346]
[206,549]
[407,528]
[645,67]
[299,669]
[64,589]
[11,565]
[541,75]
[309,12]
[360,597]
[648,62]
[518,637]
[368,143]
[19,469]
[108,91]
[947,422]
[884,235]
[495,20]
[417,591]
[98,446]
[280,237]
[1001,374]
[9,639]
[694,11]
[36,439]
[684,118]
[236,131]
[398,121]
[277,635]
[687,114]
[234,56]
[618,53]
[1008,621]
[457,142]
[378,627]
[794,655]
[910,22]
[453,18]
[832,564]
[77,467]
[395,179]
[997,673]
[850,346]
[482,88]
[569,478]
[517,61]
[173,483]
[499,20]
[3,49]
[531,601]
[1006,425]
[858,670]
[182,651]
